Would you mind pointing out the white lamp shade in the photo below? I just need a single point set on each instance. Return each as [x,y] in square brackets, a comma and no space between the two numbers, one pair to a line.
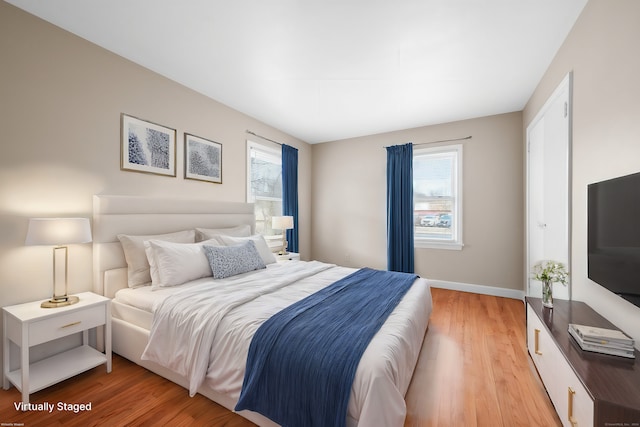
[58,231]
[282,222]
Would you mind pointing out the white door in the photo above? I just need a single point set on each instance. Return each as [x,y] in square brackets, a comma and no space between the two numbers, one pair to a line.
[548,187]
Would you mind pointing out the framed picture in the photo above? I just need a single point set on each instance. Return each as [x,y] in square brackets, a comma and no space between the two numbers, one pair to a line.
[202,159]
[147,147]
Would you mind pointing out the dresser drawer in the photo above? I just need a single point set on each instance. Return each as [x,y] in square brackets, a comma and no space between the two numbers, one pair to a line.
[571,400]
[66,324]
[542,349]
[575,406]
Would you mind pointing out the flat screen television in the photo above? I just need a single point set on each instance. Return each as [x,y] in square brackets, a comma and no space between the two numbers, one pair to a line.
[613,236]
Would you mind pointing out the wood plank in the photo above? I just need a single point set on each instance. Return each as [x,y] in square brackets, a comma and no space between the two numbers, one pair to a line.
[474,370]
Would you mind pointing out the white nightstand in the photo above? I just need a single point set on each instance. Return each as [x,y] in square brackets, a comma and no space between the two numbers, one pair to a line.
[291,256]
[29,324]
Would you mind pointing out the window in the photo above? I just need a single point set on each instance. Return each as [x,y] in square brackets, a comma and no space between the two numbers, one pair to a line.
[264,186]
[437,197]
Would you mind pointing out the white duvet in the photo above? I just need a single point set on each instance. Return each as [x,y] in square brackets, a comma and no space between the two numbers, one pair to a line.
[204,330]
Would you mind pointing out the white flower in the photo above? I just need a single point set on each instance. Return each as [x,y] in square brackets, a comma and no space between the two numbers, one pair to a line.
[551,271]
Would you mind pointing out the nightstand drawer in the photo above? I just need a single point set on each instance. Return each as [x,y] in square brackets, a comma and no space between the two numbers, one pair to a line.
[291,256]
[66,324]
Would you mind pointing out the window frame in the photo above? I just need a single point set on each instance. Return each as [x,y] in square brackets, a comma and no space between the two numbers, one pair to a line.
[456,243]
[255,146]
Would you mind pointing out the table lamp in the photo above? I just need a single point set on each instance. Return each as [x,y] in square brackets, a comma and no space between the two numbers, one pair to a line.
[283,223]
[58,232]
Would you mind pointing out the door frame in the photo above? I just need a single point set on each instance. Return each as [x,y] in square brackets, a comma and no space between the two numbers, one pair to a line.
[565,84]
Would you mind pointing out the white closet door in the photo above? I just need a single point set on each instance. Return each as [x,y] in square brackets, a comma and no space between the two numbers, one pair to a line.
[548,187]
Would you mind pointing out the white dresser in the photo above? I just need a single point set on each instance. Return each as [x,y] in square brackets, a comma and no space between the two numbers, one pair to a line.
[586,389]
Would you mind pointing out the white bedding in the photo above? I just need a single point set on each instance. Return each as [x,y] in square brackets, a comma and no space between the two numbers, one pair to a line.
[145,297]
[249,299]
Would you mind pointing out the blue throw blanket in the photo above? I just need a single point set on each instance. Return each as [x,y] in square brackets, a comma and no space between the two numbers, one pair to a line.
[302,361]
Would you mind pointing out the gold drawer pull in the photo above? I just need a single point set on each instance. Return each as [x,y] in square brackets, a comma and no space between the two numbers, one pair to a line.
[71,324]
[572,420]
[537,341]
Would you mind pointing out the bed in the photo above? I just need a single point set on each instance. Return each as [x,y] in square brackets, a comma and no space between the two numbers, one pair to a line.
[385,369]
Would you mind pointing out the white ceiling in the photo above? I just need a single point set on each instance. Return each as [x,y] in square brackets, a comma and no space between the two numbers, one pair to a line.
[323,70]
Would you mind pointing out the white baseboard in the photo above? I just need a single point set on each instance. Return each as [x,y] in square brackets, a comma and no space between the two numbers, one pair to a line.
[478,289]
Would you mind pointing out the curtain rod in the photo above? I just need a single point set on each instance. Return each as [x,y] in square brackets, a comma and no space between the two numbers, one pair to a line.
[260,136]
[443,140]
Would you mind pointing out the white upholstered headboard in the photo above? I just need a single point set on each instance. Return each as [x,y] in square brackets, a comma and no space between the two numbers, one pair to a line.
[139,215]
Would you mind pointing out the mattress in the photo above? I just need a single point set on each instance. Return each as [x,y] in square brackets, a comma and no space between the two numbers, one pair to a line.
[136,305]
[383,374]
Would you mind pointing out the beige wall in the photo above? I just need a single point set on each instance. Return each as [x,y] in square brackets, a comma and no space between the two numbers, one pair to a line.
[60,104]
[602,52]
[61,100]
[349,202]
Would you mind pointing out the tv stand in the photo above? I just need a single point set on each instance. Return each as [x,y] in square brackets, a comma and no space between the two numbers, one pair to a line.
[586,388]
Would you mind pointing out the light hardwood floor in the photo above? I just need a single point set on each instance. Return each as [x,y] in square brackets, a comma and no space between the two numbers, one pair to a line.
[474,370]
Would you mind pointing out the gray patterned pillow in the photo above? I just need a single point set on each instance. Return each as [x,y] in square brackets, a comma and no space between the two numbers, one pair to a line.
[226,261]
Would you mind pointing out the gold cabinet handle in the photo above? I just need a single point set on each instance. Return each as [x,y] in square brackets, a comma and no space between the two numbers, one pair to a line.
[71,324]
[571,395]
[537,341]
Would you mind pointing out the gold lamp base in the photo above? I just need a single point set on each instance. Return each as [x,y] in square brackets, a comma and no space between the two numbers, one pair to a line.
[60,302]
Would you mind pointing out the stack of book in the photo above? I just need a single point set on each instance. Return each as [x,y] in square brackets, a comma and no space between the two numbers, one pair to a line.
[601,340]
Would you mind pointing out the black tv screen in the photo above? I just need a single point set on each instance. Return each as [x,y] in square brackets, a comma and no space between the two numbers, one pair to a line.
[613,239]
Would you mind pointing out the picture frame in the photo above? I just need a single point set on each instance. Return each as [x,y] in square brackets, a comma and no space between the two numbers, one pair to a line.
[202,159]
[147,147]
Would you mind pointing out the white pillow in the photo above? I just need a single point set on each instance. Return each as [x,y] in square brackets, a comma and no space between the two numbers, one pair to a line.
[261,244]
[133,247]
[209,233]
[172,264]
[227,261]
